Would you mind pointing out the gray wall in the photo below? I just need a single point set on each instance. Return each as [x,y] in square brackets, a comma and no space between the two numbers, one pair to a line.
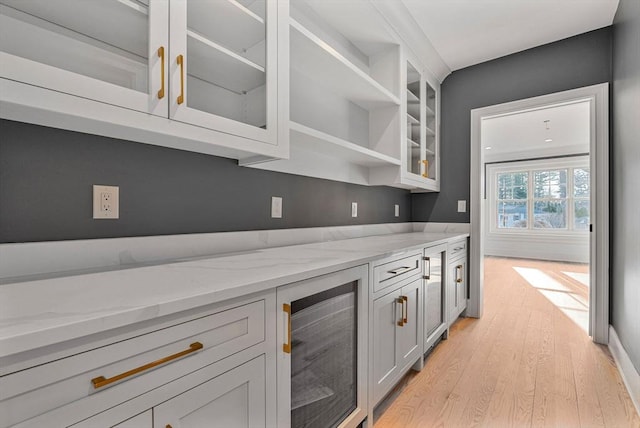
[578,61]
[46,178]
[625,283]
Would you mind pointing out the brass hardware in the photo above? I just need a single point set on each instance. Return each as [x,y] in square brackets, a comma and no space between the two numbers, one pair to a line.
[401,269]
[287,346]
[168,426]
[459,270]
[425,174]
[401,301]
[161,55]
[405,305]
[101,381]
[427,268]
[181,64]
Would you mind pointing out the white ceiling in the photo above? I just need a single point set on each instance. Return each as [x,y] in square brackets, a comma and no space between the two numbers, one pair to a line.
[524,134]
[468,32]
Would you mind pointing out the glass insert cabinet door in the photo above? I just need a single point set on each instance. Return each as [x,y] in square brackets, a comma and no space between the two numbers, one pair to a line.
[223,56]
[106,50]
[321,368]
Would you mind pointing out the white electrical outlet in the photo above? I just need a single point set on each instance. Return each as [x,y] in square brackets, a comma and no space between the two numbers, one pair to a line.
[106,202]
[354,209]
[276,207]
[462,206]
[397,210]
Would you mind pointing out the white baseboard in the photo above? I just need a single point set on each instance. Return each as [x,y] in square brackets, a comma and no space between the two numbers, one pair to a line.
[630,375]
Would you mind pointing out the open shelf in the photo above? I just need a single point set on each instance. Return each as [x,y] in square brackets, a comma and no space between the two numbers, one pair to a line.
[227,22]
[213,63]
[45,42]
[325,66]
[412,120]
[411,98]
[430,112]
[73,17]
[413,110]
[318,141]
[413,144]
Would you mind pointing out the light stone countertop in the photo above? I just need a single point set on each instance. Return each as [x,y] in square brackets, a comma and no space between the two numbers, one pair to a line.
[52,310]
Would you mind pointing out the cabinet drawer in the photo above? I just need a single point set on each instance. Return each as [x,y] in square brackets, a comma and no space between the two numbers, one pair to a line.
[457,249]
[120,371]
[390,273]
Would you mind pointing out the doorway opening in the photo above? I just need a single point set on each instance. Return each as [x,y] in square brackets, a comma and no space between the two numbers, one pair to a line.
[542,194]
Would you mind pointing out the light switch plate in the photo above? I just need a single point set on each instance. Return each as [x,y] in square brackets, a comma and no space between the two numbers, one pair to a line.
[354,209]
[106,202]
[276,207]
[397,210]
[462,206]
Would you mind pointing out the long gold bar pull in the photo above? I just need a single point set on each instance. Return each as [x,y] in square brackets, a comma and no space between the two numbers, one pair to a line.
[180,60]
[161,55]
[101,381]
[287,346]
[405,305]
[400,300]
[459,271]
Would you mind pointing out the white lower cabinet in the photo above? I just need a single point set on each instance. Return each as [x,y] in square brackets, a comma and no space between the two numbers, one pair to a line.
[214,364]
[234,399]
[457,281]
[435,280]
[397,336]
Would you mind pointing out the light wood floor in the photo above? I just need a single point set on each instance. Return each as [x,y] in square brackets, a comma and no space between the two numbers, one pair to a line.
[524,363]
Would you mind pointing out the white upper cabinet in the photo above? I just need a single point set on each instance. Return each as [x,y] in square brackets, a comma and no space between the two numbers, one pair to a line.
[349,107]
[105,50]
[209,63]
[221,75]
[327,89]
[344,92]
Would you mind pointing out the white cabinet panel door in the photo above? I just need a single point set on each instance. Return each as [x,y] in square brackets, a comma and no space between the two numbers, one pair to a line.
[233,399]
[108,51]
[409,344]
[387,313]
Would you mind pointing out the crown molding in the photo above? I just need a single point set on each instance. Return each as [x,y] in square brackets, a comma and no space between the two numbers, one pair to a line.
[403,23]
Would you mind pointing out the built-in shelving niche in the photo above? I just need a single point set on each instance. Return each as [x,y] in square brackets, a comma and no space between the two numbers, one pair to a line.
[344,96]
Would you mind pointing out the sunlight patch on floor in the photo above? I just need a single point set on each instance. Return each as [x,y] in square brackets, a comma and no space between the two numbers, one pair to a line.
[582,278]
[560,295]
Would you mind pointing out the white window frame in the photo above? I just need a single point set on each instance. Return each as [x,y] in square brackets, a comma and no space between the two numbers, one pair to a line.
[532,166]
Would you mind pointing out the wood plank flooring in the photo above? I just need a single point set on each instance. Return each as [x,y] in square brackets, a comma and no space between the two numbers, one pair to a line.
[528,362]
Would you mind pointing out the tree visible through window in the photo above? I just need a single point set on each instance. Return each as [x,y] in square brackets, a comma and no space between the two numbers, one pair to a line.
[513,210]
[552,199]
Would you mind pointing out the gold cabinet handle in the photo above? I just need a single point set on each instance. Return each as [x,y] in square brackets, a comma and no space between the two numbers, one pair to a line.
[161,55]
[287,346]
[400,300]
[459,271]
[425,174]
[180,60]
[101,381]
[405,305]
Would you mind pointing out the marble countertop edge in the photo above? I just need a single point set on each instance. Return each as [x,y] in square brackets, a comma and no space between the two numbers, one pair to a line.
[27,322]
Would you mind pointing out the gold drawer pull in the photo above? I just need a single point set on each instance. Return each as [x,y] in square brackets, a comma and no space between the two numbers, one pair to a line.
[405,305]
[459,270]
[286,347]
[101,381]
[180,61]
[161,55]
